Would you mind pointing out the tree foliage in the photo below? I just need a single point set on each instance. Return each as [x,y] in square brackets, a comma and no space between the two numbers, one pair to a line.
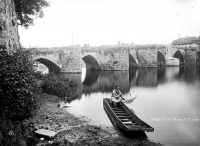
[27,10]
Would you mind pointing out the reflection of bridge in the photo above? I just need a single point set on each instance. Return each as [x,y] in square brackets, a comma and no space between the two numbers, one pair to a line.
[104,81]
[119,57]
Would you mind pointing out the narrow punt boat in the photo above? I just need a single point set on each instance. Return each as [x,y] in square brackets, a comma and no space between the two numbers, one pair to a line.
[124,118]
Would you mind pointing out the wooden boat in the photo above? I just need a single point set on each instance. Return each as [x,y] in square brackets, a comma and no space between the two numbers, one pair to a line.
[124,118]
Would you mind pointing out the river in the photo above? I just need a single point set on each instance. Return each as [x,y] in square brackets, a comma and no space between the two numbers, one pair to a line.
[169,100]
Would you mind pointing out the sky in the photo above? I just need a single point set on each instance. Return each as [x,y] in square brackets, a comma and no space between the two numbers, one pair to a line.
[107,22]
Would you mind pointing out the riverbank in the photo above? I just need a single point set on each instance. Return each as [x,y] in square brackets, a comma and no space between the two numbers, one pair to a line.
[77,130]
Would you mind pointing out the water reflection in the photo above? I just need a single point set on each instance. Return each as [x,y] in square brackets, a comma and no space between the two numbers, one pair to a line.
[105,81]
[161,75]
[147,77]
[91,78]
[169,100]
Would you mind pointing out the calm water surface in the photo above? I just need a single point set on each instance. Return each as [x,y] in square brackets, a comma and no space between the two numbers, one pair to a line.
[169,100]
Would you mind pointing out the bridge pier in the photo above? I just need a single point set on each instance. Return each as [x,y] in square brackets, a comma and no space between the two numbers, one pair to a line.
[71,60]
[106,58]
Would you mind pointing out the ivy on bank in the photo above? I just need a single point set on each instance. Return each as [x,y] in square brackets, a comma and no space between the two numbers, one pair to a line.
[17,85]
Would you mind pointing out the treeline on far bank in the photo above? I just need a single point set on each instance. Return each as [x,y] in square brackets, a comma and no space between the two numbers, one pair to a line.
[20,86]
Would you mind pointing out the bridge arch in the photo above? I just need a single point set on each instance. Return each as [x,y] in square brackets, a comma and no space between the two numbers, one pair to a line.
[91,62]
[52,66]
[132,61]
[160,58]
[180,55]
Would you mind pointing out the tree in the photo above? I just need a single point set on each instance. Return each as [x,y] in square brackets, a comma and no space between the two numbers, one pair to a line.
[27,10]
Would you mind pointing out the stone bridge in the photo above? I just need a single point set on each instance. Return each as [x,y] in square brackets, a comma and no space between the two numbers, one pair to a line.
[116,57]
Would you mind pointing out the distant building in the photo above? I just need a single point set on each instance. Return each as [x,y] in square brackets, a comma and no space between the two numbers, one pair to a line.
[187,42]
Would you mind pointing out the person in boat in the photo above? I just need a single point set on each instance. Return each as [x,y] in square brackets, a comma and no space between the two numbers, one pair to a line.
[117,97]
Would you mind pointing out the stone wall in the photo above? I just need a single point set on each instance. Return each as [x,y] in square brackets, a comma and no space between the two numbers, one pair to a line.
[171,61]
[147,57]
[71,60]
[115,60]
[9,36]
[144,55]
[165,50]
[107,57]
[172,51]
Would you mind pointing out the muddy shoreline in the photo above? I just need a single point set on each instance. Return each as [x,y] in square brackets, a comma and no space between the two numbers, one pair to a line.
[74,129]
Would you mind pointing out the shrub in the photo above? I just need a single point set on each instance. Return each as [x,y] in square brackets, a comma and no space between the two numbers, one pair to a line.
[11,132]
[17,85]
[57,85]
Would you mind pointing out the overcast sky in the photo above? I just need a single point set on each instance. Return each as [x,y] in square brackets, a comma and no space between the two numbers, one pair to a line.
[101,22]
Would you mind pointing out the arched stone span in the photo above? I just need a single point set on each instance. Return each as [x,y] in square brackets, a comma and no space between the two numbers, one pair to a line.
[160,58]
[180,55]
[132,61]
[53,67]
[91,62]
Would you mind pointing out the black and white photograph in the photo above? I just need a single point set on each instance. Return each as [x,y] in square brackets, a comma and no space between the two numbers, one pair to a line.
[99,73]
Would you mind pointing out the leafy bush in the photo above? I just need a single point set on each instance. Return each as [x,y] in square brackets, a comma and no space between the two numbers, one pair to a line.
[57,85]
[17,85]
[12,133]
